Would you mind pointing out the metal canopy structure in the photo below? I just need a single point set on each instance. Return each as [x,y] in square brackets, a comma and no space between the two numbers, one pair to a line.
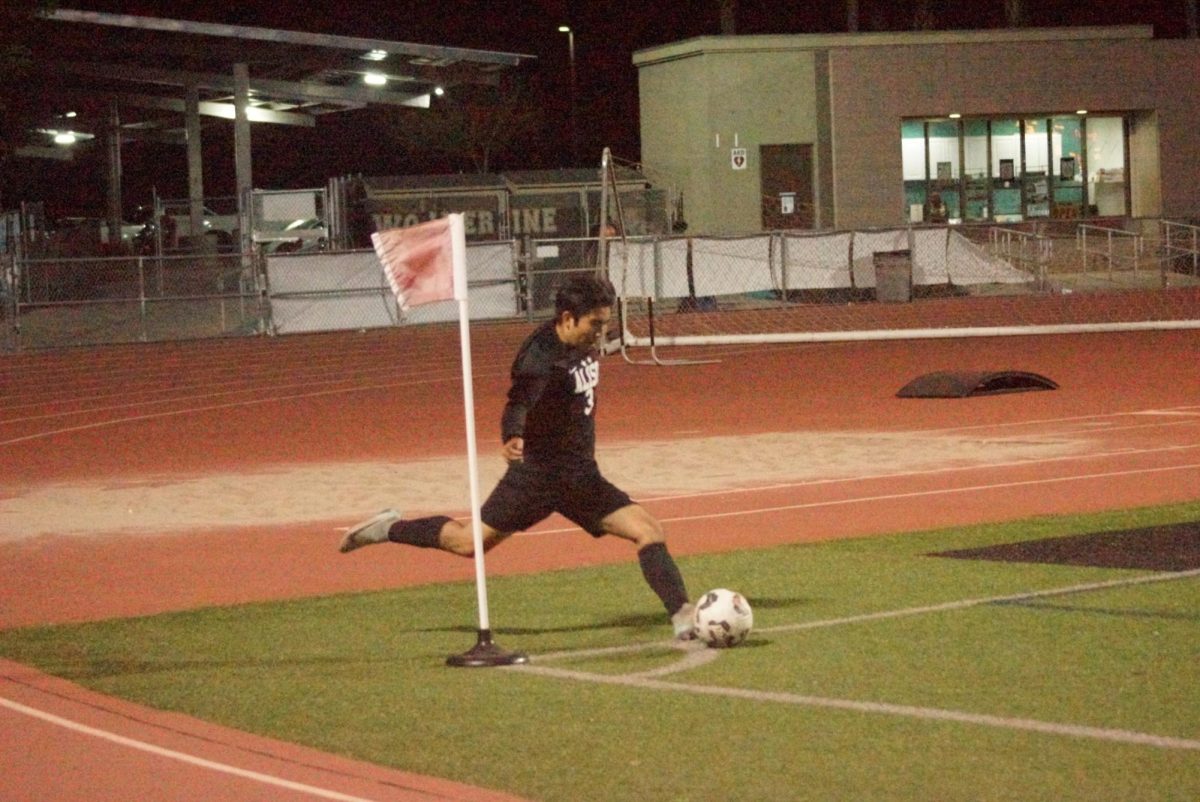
[150,78]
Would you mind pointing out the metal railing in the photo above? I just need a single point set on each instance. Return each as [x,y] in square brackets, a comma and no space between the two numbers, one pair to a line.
[1025,250]
[1114,248]
[1180,246]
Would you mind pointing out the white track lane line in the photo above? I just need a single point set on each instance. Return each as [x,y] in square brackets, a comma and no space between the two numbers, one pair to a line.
[209,408]
[1021,463]
[1167,412]
[183,757]
[886,496]
[1040,421]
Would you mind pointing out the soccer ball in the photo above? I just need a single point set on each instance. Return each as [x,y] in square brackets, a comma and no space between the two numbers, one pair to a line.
[723,618]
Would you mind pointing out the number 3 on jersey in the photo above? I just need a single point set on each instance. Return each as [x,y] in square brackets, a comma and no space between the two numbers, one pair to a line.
[587,376]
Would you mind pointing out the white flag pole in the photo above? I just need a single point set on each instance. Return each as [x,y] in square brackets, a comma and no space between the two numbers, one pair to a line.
[458,241]
[485,652]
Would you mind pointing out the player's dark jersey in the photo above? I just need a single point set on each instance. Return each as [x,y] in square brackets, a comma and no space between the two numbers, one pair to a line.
[552,400]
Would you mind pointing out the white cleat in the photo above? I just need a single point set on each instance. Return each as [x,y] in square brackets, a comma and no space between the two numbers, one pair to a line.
[371,531]
[684,623]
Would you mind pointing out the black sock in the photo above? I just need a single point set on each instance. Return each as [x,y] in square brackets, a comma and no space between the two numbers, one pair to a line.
[663,576]
[420,532]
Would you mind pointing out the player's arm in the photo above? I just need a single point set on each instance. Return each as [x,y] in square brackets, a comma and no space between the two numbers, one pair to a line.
[526,389]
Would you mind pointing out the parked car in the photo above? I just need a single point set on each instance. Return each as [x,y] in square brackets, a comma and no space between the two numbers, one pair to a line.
[299,236]
[221,230]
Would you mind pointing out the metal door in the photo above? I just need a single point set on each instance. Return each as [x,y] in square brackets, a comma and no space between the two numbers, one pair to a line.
[787,186]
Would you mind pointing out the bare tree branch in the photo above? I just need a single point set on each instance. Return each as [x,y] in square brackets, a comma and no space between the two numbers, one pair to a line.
[470,125]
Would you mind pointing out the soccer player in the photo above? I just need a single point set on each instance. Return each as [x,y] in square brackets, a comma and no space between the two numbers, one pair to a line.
[548,432]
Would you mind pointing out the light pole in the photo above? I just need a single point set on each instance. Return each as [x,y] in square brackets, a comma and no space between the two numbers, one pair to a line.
[571,53]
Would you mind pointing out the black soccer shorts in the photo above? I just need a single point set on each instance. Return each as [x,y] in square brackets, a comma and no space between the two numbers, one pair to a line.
[530,492]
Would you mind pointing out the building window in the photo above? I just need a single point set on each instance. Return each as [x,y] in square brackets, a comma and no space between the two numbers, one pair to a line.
[1009,169]
[913,161]
[1066,163]
[1106,166]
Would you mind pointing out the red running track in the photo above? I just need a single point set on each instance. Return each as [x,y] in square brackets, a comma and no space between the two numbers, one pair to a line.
[194,409]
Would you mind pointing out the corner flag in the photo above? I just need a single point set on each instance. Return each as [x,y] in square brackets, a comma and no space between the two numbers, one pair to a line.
[419,261]
[423,264]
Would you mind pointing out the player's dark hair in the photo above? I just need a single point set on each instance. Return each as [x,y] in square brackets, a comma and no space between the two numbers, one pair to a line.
[582,293]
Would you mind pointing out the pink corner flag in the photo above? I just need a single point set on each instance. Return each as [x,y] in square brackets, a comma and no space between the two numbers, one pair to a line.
[418,262]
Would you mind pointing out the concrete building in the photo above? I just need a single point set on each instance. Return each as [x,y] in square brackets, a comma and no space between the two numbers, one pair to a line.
[879,129]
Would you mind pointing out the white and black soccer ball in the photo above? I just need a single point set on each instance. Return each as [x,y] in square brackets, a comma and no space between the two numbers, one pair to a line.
[723,618]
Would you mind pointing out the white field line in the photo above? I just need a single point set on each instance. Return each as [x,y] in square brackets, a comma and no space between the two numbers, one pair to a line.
[907,711]
[888,496]
[881,615]
[183,757]
[649,679]
[1166,576]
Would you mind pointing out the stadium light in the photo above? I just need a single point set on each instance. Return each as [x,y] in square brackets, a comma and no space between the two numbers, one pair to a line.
[571,54]
[64,137]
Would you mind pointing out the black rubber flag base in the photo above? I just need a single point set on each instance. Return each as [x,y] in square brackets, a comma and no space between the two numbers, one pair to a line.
[486,653]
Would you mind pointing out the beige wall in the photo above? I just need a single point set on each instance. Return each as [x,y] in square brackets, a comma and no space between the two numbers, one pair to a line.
[673,149]
[704,105]
[1145,192]
[1176,71]
[762,88]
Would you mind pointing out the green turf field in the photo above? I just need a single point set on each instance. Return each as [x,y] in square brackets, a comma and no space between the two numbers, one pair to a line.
[875,672]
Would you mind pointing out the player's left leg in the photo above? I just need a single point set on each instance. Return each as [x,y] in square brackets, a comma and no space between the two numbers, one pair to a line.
[634,523]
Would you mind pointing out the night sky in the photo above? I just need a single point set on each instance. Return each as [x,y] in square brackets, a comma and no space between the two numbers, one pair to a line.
[606,36]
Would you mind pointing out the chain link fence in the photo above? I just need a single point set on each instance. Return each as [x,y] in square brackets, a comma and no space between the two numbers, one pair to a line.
[787,286]
[8,300]
[773,283]
[59,302]
[829,267]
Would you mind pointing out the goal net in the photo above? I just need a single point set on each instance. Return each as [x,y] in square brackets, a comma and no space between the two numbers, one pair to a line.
[904,282]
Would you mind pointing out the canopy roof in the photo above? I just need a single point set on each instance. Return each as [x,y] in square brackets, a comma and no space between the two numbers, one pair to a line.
[147,66]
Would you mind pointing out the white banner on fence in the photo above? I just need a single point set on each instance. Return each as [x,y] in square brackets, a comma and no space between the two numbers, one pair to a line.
[339,291]
[631,268]
[821,262]
[971,264]
[674,269]
[732,266]
[328,292]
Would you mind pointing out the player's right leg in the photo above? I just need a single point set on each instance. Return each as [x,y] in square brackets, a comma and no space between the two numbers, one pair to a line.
[433,532]
[368,532]
[458,539]
[522,498]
